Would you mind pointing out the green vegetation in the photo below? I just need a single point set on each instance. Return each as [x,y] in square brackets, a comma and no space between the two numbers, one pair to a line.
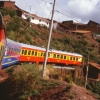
[94,87]
[25,81]
[8,11]
[29,33]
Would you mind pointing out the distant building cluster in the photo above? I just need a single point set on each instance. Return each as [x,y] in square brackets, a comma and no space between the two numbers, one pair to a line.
[65,26]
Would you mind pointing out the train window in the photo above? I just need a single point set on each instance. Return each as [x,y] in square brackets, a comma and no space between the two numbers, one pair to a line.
[58,56]
[35,53]
[44,54]
[22,51]
[79,59]
[32,52]
[48,54]
[25,52]
[76,59]
[41,54]
[29,52]
[64,57]
[54,56]
[71,58]
[61,56]
[18,50]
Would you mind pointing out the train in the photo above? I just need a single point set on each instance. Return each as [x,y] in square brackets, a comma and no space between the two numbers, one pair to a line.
[2,39]
[16,52]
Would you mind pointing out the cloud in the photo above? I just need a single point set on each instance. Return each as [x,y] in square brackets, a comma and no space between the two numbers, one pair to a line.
[81,10]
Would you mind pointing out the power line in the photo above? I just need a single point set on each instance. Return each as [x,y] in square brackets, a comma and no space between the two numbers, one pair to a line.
[47,2]
[67,15]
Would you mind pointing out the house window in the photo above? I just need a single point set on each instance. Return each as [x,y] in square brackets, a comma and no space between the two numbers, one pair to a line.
[39,20]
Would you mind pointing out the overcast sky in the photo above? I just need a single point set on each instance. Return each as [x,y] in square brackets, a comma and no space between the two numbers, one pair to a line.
[81,10]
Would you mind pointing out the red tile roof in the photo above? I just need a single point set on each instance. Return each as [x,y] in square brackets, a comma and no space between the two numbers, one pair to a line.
[95,65]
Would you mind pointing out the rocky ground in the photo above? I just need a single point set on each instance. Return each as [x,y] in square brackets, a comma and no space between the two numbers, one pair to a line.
[60,92]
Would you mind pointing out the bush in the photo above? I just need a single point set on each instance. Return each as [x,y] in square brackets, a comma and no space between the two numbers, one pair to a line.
[23,82]
[68,79]
[14,25]
[94,87]
[8,11]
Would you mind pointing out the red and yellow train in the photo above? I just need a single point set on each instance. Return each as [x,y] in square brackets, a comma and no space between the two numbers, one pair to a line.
[2,39]
[35,54]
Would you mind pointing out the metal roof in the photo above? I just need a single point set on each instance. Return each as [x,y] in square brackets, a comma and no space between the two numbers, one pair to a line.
[41,48]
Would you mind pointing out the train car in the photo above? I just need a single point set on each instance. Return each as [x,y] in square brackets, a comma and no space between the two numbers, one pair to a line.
[2,39]
[67,58]
[31,53]
[12,54]
[36,54]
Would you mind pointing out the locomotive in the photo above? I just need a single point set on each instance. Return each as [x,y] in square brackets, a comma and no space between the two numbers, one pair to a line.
[21,53]
[12,53]
[2,39]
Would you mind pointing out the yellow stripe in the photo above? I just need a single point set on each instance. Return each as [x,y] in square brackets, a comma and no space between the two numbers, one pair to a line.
[10,56]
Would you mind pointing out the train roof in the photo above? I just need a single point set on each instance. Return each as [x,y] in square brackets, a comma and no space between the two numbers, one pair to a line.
[41,48]
[64,52]
[50,50]
[12,42]
[31,46]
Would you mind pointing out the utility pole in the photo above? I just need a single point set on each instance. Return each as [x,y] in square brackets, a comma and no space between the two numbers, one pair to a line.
[76,28]
[49,38]
[30,9]
[87,68]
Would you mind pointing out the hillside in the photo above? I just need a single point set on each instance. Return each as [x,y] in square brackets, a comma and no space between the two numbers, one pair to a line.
[21,30]
[37,88]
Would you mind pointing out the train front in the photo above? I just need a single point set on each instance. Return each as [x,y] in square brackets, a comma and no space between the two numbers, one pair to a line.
[2,39]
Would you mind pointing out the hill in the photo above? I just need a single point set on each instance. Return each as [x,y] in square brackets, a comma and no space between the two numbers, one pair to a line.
[21,30]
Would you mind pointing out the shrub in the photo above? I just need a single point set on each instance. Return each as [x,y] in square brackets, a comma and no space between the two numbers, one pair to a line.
[24,81]
[68,79]
[8,11]
[14,25]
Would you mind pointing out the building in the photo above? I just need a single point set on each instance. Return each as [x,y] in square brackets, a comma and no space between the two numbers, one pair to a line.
[94,27]
[90,27]
[8,4]
[35,19]
[93,71]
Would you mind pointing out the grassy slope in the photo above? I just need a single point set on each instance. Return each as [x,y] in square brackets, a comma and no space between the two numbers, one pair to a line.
[19,30]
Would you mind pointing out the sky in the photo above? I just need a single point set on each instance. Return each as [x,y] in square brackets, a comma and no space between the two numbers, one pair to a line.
[80,10]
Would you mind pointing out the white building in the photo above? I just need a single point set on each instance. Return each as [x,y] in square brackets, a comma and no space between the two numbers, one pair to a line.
[36,20]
